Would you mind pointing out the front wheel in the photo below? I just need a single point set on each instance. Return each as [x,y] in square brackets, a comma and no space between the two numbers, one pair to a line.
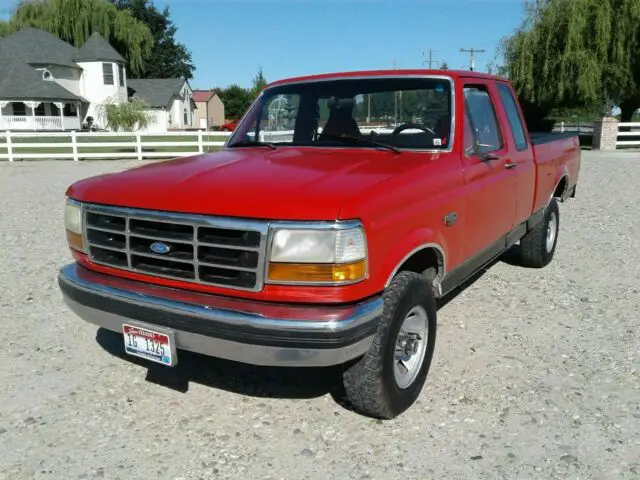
[390,377]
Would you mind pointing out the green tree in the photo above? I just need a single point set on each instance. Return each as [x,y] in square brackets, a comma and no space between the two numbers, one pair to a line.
[576,53]
[75,20]
[258,83]
[127,116]
[169,58]
[236,100]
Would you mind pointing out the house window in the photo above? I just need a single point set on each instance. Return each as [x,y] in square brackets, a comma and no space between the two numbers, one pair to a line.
[40,110]
[186,117]
[70,110]
[121,75]
[19,109]
[107,73]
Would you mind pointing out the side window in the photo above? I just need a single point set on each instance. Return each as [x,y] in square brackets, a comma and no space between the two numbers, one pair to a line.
[469,137]
[515,122]
[482,117]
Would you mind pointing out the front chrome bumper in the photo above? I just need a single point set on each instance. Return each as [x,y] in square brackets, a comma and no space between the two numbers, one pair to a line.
[251,332]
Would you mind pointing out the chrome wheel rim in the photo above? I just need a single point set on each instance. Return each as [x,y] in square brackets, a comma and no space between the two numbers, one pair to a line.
[551,231]
[411,346]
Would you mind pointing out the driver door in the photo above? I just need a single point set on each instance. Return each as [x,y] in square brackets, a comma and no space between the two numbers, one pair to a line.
[490,181]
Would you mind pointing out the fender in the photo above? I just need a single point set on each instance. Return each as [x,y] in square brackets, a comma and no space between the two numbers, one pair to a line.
[562,174]
[417,240]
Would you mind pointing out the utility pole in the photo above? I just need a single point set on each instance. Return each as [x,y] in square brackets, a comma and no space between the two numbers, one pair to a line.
[472,59]
[430,61]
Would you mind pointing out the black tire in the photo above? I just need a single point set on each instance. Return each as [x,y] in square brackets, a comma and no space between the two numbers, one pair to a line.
[534,251]
[370,384]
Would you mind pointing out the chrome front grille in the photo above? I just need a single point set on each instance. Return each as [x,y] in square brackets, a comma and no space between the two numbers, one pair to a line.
[209,250]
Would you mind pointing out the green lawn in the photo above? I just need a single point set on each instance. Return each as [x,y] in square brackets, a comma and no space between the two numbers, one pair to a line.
[85,140]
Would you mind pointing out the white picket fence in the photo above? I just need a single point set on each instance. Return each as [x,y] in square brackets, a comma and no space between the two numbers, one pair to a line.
[94,145]
[630,138]
[97,145]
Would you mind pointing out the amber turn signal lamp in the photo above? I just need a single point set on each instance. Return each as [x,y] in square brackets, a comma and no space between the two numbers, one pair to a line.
[75,241]
[317,273]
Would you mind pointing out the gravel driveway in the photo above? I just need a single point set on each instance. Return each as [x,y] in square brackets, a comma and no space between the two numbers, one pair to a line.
[536,372]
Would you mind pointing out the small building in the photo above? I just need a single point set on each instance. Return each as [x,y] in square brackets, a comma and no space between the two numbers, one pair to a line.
[170,102]
[209,109]
[47,84]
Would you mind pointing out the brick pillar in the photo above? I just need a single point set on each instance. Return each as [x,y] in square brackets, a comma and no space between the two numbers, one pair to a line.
[605,133]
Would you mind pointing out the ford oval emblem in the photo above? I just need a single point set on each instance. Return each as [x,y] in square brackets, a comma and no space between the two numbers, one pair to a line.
[160,248]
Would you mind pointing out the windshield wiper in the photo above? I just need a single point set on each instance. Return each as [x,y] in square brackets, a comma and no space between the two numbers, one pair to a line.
[363,140]
[254,143]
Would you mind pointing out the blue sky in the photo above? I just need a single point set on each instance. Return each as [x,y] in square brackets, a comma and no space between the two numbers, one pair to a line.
[230,39]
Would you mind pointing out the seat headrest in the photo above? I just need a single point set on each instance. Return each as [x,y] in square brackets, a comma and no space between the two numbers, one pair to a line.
[335,103]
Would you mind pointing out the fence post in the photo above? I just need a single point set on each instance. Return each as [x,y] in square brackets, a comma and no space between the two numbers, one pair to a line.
[200,146]
[605,133]
[9,147]
[139,146]
[74,145]
[562,127]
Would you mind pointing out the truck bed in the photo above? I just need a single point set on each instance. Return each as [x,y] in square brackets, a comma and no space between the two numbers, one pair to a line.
[557,156]
[538,138]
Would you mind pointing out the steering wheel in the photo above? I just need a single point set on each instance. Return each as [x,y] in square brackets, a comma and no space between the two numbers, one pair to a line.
[406,126]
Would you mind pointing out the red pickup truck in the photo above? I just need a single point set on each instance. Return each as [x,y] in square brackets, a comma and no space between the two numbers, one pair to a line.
[311,239]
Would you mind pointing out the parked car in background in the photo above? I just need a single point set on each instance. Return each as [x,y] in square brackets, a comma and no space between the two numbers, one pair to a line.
[328,244]
[229,126]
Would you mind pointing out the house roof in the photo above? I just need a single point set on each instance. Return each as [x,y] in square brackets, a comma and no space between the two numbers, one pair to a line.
[36,46]
[203,95]
[19,81]
[157,92]
[96,48]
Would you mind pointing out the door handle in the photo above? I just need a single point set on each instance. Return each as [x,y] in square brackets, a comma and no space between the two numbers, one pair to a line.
[510,165]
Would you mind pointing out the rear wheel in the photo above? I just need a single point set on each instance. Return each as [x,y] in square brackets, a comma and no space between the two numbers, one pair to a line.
[539,244]
[390,377]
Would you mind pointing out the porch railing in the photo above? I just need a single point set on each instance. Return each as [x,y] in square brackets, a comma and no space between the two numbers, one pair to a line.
[28,122]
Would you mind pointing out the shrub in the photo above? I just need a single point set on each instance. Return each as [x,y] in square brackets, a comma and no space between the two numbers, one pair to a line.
[127,116]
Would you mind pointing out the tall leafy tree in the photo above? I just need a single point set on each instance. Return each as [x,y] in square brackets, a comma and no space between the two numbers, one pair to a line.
[258,83]
[169,58]
[577,53]
[236,100]
[75,20]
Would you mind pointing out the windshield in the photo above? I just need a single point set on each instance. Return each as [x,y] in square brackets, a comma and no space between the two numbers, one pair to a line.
[405,113]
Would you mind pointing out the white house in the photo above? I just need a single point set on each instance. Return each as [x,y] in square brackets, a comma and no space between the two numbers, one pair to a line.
[170,102]
[48,84]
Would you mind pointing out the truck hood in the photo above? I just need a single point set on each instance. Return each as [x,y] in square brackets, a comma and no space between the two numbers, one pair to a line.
[288,183]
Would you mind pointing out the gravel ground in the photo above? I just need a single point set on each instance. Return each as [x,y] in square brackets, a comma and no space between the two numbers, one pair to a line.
[535,373]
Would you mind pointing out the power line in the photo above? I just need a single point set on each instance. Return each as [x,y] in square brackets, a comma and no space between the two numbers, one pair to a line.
[430,61]
[472,59]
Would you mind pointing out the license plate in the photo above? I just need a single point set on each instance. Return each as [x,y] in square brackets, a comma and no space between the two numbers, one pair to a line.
[158,347]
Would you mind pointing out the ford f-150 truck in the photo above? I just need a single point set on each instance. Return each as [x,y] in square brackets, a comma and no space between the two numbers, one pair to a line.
[338,212]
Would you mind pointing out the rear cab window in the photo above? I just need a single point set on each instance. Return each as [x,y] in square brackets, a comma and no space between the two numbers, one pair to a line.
[513,115]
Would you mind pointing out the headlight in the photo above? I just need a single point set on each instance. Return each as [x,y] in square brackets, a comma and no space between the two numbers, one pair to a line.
[73,225]
[315,256]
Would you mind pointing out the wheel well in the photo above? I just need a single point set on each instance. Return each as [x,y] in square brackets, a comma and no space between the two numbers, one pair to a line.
[561,188]
[423,259]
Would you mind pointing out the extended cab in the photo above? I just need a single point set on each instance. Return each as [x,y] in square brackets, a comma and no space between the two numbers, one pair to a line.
[341,208]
